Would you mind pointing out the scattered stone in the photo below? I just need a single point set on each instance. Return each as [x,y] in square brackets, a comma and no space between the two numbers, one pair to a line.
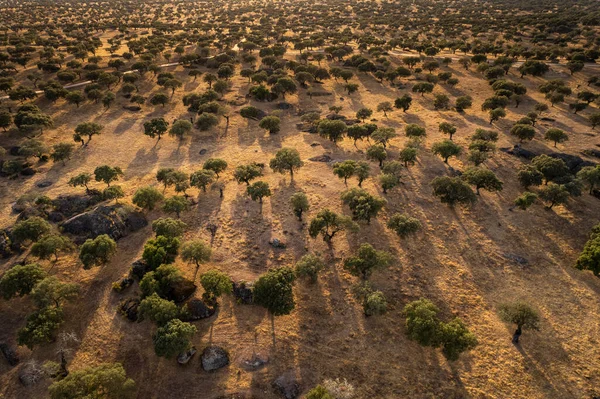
[185,357]
[122,284]
[10,354]
[314,144]
[546,119]
[55,217]
[116,220]
[44,184]
[71,205]
[321,158]
[336,117]
[277,243]
[284,105]
[197,310]
[254,362]
[242,291]
[518,151]
[30,211]
[454,172]
[214,357]
[321,93]
[203,151]
[132,108]
[129,308]
[516,258]
[14,150]
[287,385]
[574,162]
[29,171]
[592,153]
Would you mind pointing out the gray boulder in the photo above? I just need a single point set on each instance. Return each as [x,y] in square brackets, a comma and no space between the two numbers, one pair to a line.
[10,354]
[116,220]
[197,310]
[185,357]
[214,357]
[287,385]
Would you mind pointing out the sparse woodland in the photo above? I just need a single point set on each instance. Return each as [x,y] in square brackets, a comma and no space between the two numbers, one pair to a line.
[298,199]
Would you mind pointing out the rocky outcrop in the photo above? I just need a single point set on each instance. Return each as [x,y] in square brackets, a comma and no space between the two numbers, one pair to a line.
[198,310]
[287,385]
[214,357]
[9,353]
[242,292]
[117,221]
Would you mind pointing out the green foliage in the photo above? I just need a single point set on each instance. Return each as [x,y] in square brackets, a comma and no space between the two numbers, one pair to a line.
[31,229]
[286,160]
[422,321]
[328,224]
[246,173]
[414,130]
[528,176]
[403,224]
[196,251]
[20,280]
[41,327]
[375,304]
[554,194]
[109,379]
[366,260]
[523,132]
[168,227]
[147,197]
[271,123]
[202,178]
[52,292]
[258,190]
[61,152]
[180,128]
[176,204]
[377,153]
[551,168]
[173,338]
[88,129]
[455,338]
[383,135]
[363,205]
[525,200]
[160,250]
[160,280]
[51,245]
[309,266]
[273,290]
[590,175]
[332,130]
[345,169]
[81,179]
[300,204]
[388,181]
[408,155]
[452,190]
[97,251]
[215,284]
[589,259]
[319,392]
[107,174]
[446,149]
[521,314]
[206,121]
[482,178]
[216,165]
[155,127]
[158,310]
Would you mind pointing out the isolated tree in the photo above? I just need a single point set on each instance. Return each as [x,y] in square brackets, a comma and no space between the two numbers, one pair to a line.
[408,155]
[556,135]
[217,165]
[300,204]
[271,123]
[447,128]
[286,160]
[97,251]
[554,194]
[246,173]
[168,227]
[107,174]
[52,292]
[110,379]
[521,314]
[156,128]
[496,114]
[309,266]
[180,128]
[75,97]
[88,129]
[462,103]
[422,323]
[383,135]
[422,88]
[385,107]
[551,168]
[523,132]
[40,327]
[160,250]
[525,200]
[173,338]
[345,169]
[61,152]
[202,178]
[366,260]
[113,192]
[258,190]
[403,102]
[176,204]
[274,291]
[364,113]
[482,178]
[20,280]
[589,259]
[446,149]
[594,119]
[454,338]
[30,229]
[529,176]
[414,130]
[196,251]
[82,179]
[452,190]
[363,205]
[403,224]
[332,130]
[590,175]
[362,171]
[328,223]
[215,284]
[206,121]
[147,197]
[377,153]
[388,181]
[51,245]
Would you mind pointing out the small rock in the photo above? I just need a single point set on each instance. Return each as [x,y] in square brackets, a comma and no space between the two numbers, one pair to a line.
[44,184]
[29,171]
[287,385]
[185,357]
[132,108]
[546,119]
[203,151]
[592,153]
[518,151]
[139,268]
[180,290]
[321,158]
[129,308]
[277,243]
[214,357]
[55,217]
[10,354]
[254,362]
[314,144]
[284,105]
[516,258]
[243,292]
